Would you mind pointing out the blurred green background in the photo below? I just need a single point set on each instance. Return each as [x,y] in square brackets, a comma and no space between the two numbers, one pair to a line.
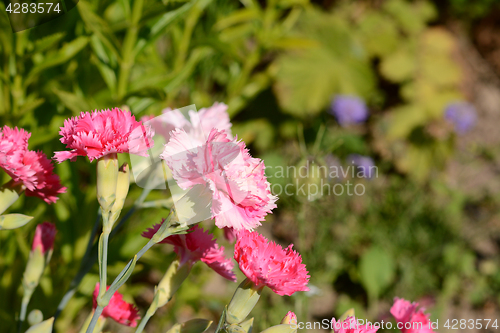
[426,229]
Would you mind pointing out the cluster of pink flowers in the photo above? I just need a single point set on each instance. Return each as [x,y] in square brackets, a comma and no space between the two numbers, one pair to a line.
[200,152]
[104,132]
[198,245]
[31,169]
[117,309]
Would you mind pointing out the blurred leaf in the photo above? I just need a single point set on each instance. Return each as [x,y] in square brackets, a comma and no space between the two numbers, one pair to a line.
[47,42]
[67,52]
[377,270]
[399,66]
[73,102]
[379,33]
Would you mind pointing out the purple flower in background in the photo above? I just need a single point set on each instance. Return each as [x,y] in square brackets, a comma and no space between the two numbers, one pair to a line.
[365,166]
[349,110]
[462,115]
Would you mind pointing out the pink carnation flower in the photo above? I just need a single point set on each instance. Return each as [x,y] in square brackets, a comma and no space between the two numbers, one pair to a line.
[48,186]
[45,234]
[350,325]
[105,132]
[241,195]
[117,309]
[198,245]
[268,264]
[197,127]
[409,319]
[31,169]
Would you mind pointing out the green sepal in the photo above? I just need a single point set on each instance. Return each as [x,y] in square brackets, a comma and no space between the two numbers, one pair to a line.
[34,269]
[44,327]
[243,302]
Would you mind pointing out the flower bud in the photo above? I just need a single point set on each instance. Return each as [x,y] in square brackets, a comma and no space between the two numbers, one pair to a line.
[35,317]
[289,319]
[107,178]
[243,301]
[40,254]
[43,327]
[122,187]
[283,328]
[45,235]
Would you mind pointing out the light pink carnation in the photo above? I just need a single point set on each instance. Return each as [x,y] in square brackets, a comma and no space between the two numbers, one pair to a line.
[268,264]
[45,234]
[31,169]
[104,132]
[350,325]
[198,126]
[241,195]
[196,245]
[117,309]
[410,320]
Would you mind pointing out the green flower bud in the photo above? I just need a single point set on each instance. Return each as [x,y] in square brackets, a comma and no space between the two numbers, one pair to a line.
[43,327]
[107,179]
[283,328]
[35,317]
[34,269]
[243,301]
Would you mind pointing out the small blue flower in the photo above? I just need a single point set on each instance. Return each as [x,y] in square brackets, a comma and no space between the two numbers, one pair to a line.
[365,166]
[349,110]
[462,115]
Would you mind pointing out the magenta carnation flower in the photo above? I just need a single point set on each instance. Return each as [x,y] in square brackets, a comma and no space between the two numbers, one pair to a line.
[33,170]
[45,234]
[117,309]
[268,264]
[351,325]
[198,126]
[197,245]
[105,132]
[410,320]
[241,195]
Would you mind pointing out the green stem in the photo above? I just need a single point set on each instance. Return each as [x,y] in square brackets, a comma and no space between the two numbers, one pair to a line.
[90,255]
[24,306]
[95,317]
[103,262]
[144,321]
